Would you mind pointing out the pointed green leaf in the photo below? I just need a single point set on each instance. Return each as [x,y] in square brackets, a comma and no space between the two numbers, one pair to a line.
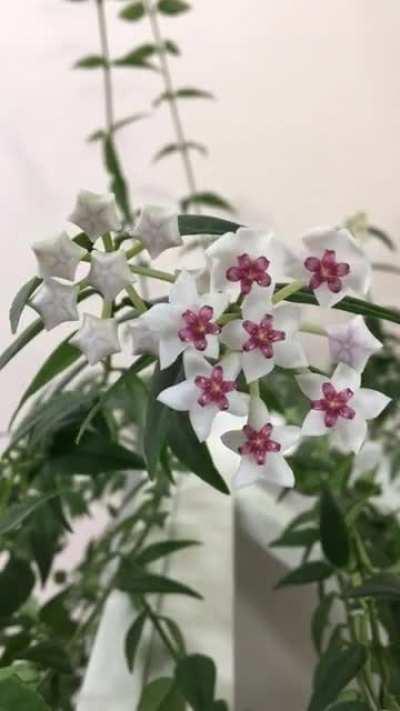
[172,7]
[137,57]
[336,669]
[92,61]
[162,548]
[172,148]
[95,456]
[334,534]
[195,677]
[350,706]
[298,538]
[199,225]
[15,514]
[158,415]
[383,586]
[20,301]
[133,12]
[101,134]
[161,695]
[16,696]
[137,582]
[16,585]
[320,620]
[186,92]
[22,340]
[206,198]
[133,638]
[118,184]
[307,573]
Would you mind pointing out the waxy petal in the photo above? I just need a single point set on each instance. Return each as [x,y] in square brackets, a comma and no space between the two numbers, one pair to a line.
[369,403]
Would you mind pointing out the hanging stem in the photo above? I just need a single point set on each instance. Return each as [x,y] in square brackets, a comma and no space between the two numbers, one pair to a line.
[173,104]
[105,50]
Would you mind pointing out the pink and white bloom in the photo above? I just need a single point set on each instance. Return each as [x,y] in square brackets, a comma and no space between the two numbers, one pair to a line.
[95,214]
[97,338]
[109,273]
[266,336]
[58,257]
[333,265]
[352,343]
[206,391]
[262,447]
[56,303]
[340,406]
[247,257]
[188,321]
[157,228]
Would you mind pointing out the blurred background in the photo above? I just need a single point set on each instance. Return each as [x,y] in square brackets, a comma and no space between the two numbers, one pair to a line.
[304,131]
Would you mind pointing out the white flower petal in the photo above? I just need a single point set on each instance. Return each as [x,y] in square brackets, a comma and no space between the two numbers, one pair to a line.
[233,335]
[158,229]
[256,365]
[170,348]
[287,436]
[163,318]
[351,433]
[231,364]
[143,339]
[95,214]
[346,377]
[311,385]
[212,350]
[369,403]
[248,473]
[109,273]
[201,419]
[314,425]
[184,292]
[97,338]
[58,257]
[179,397]
[258,303]
[258,413]
[195,364]
[56,303]
[290,354]
[218,303]
[233,439]
[327,298]
[277,471]
[287,318]
[238,403]
[352,343]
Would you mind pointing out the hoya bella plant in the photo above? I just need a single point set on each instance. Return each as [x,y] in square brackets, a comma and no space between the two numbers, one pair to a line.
[227,337]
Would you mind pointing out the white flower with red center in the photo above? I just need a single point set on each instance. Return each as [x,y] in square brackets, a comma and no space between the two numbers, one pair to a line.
[97,338]
[266,336]
[340,406]
[333,265]
[56,303]
[245,258]
[157,228]
[352,343]
[187,321]
[262,447]
[95,214]
[58,257]
[206,391]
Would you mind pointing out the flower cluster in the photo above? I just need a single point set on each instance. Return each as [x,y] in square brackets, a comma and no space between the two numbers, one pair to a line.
[230,334]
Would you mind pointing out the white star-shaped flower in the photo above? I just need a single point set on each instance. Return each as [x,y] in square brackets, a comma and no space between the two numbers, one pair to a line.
[95,214]
[56,303]
[333,265]
[241,259]
[262,447]
[143,339]
[340,406]
[206,391]
[58,257]
[266,336]
[352,343]
[157,228]
[97,338]
[187,321]
[109,273]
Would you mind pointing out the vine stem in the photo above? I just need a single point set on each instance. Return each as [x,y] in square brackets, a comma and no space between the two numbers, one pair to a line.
[153,273]
[105,50]
[173,104]
[286,291]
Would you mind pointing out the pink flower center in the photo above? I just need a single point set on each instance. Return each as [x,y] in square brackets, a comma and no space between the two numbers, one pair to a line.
[262,336]
[214,389]
[259,443]
[334,404]
[327,271]
[249,271]
[198,326]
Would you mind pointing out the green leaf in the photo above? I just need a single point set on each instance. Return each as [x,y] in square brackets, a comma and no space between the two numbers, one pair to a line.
[132,639]
[172,7]
[49,654]
[174,632]
[199,225]
[95,456]
[206,198]
[350,706]
[15,514]
[92,61]
[133,12]
[157,417]
[118,184]
[336,669]
[101,134]
[20,301]
[333,528]
[320,620]
[161,695]
[138,582]
[297,538]
[193,454]
[307,573]
[172,148]
[16,584]
[57,412]
[384,586]
[162,548]
[62,357]
[56,616]
[196,676]
[137,57]
[15,696]
[187,92]
[23,339]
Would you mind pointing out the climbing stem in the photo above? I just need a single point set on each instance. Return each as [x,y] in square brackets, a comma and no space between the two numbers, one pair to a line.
[286,291]
[153,273]
[136,299]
